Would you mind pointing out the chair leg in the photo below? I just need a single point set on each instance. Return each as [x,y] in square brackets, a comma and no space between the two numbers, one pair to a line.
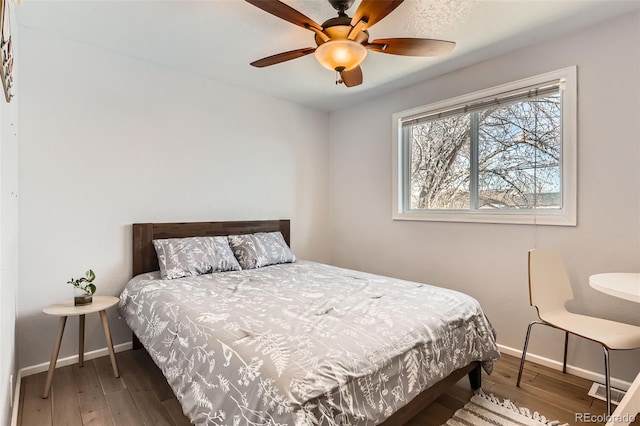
[607,379]
[566,342]
[524,350]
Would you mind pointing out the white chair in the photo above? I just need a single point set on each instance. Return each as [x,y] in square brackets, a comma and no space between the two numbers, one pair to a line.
[549,290]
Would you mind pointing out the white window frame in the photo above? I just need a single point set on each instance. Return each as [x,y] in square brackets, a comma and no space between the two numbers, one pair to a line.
[565,216]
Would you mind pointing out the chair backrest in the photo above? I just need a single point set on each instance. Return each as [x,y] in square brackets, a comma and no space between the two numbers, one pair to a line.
[549,285]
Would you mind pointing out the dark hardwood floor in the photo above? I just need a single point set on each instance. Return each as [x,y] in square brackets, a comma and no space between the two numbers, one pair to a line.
[141,397]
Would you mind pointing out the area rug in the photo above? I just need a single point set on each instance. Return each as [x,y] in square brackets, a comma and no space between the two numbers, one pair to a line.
[486,409]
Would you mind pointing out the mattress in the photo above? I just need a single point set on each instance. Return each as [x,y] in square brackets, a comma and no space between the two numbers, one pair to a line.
[302,343]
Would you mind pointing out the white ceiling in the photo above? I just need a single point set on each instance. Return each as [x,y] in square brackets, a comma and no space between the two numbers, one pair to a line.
[218,39]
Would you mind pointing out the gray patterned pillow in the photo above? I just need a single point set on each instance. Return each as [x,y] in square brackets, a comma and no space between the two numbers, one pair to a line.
[188,257]
[260,249]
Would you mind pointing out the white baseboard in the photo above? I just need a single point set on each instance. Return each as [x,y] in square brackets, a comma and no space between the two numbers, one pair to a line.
[63,362]
[557,365]
[16,399]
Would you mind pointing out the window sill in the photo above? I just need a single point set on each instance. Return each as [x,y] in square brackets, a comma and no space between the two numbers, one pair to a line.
[511,218]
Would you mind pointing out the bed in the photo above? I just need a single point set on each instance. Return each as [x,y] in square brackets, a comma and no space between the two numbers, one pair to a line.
[299,343]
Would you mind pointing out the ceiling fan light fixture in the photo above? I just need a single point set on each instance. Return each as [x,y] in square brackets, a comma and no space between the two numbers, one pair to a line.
[341,54]
[343,42]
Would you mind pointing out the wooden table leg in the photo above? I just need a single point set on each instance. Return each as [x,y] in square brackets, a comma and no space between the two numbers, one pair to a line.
[54,357]
[81,342]
[107,336]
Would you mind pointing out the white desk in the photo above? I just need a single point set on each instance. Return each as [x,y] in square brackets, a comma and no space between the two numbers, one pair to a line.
[622,285]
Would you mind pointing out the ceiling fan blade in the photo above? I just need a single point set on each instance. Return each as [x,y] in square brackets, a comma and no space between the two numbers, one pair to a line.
[282,57]
[373,11]
[281,10]
[352,77]
[411,46]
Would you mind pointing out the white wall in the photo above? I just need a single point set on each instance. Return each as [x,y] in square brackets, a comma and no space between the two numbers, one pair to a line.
[108,140]
[8,251]
[8,248]
[489,261]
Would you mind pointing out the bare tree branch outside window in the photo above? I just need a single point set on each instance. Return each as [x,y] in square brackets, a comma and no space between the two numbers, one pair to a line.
[518,148]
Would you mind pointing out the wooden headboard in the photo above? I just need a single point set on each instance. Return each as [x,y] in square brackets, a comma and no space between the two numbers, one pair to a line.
[144,255]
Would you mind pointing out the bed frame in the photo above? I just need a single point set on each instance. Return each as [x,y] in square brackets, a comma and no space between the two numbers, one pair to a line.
[145,260]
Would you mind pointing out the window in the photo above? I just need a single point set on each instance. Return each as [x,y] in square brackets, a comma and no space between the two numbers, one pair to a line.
[501,155]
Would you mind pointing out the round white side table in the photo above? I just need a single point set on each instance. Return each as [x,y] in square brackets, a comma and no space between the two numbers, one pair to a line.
[100,304]
[618,284]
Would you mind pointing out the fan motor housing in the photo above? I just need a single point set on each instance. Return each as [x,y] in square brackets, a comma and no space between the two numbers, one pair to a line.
[339,28]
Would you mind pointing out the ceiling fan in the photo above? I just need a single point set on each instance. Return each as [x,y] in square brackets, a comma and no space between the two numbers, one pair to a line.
[342,42]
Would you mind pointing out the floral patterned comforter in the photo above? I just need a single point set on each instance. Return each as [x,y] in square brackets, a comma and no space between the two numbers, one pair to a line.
[302,343]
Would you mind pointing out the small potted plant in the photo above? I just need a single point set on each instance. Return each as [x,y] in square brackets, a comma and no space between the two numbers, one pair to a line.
[84,288]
